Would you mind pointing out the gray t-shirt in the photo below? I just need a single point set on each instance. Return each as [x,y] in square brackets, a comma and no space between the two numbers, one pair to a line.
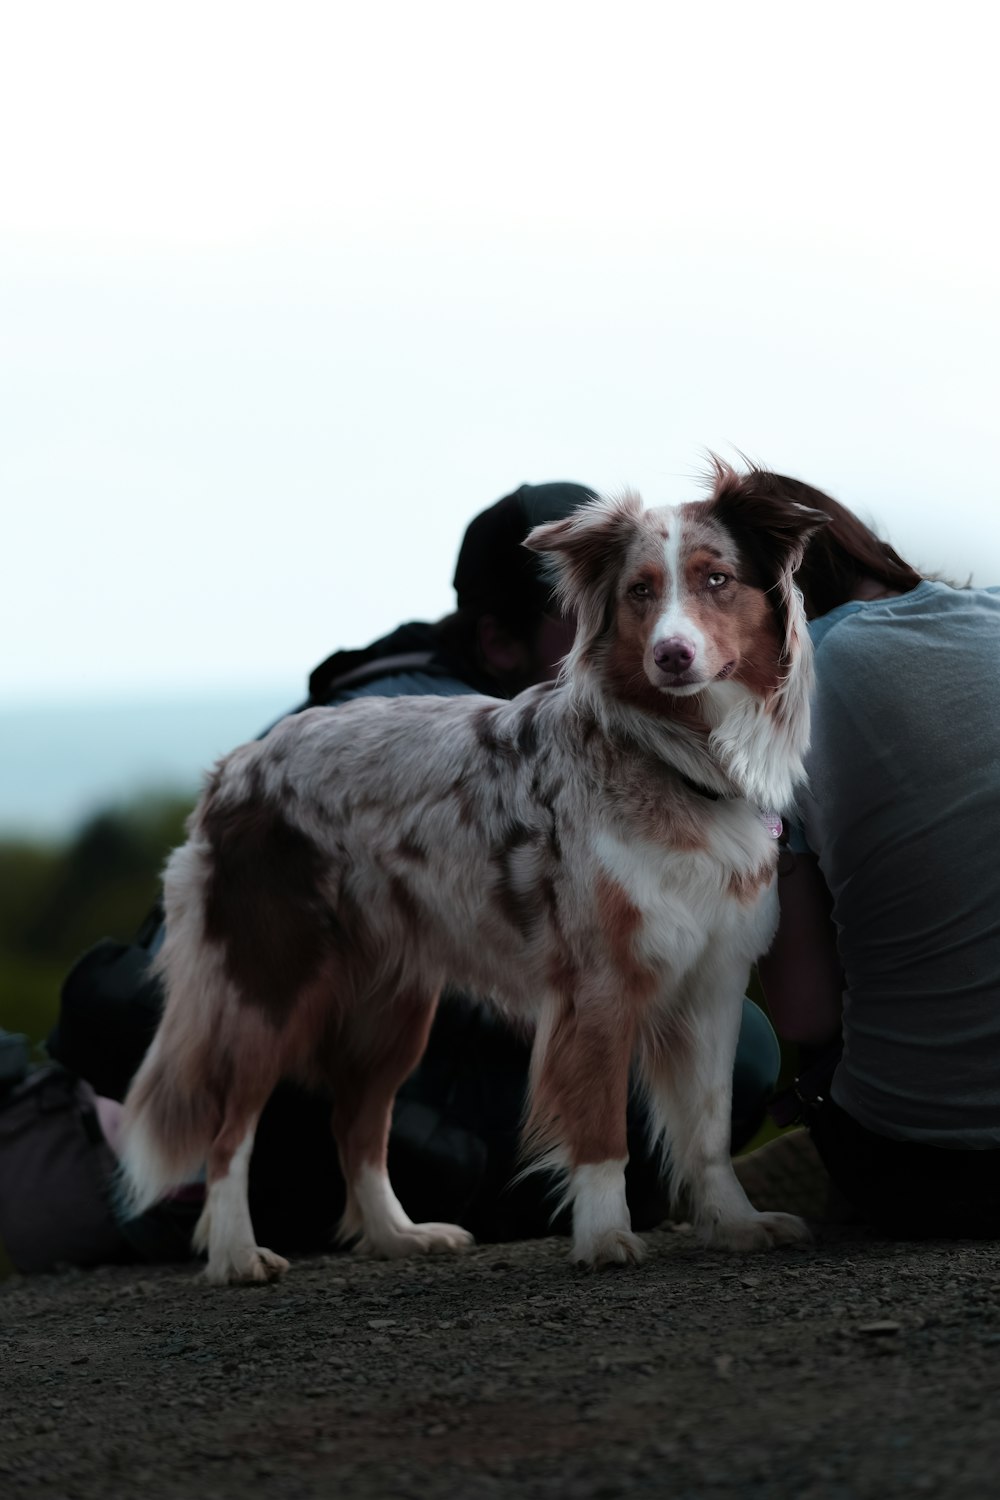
[903,812]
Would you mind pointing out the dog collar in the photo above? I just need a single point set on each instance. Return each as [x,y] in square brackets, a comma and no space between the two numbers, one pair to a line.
[771,820]
[696,786]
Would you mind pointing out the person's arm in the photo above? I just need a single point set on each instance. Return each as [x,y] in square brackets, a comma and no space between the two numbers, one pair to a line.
[801,973]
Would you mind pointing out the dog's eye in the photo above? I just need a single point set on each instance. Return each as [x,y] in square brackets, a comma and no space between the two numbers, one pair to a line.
[641,591]
[717,580]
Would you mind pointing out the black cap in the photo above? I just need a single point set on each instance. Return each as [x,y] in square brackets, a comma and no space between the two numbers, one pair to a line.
[495,574]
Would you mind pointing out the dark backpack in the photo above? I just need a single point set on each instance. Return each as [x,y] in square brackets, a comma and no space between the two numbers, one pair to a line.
[56,1175]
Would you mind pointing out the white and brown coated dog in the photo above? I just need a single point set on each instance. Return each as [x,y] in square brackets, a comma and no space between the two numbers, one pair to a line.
[592,857]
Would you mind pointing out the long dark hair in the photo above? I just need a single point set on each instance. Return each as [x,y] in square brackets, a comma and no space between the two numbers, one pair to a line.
[839,555]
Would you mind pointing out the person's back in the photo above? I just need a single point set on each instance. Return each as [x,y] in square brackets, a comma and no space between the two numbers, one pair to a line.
[904,795]
[889,938]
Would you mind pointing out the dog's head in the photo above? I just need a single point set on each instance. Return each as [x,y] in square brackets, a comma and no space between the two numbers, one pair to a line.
[694,601]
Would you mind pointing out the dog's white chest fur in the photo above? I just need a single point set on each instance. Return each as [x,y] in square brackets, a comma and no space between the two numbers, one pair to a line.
[691,901]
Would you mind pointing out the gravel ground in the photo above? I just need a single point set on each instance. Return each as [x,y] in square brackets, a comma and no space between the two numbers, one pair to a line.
[854,1368]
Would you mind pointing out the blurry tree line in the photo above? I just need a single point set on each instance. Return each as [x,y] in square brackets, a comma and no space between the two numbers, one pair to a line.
[56,900]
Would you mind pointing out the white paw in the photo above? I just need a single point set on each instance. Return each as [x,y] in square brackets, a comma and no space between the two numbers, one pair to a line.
[757,1232]
[609,1247]
[417,1239]
[250,1263]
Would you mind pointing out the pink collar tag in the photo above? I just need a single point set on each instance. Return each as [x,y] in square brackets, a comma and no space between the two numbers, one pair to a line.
[772,822]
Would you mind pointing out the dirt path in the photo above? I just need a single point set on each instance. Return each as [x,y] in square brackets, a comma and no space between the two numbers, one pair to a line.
[854,1369]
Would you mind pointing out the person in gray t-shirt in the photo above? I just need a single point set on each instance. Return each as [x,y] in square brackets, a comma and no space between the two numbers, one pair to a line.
[890,889]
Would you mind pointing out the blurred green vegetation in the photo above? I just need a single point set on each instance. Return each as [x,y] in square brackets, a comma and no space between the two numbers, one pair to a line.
[57,899]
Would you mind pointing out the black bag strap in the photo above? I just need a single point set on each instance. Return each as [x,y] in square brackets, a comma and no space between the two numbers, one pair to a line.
[410,648]
[386,666]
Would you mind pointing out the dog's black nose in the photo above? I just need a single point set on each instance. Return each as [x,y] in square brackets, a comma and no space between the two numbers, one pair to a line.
[674,654]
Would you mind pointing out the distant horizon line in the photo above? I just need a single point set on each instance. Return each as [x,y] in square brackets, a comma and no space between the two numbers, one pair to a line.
[62,700]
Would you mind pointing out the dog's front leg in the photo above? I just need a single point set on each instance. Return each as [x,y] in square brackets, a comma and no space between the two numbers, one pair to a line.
[688,1078]
[580,1070]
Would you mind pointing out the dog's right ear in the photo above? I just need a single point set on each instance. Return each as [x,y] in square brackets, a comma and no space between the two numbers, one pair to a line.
[584,551]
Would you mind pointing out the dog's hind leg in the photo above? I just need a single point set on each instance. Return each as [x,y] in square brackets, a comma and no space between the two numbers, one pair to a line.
[688,1079]
[577,1121]
[366,1074]
[225,1230]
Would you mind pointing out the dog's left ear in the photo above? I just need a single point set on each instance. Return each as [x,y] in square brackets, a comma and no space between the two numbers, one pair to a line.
[755,508]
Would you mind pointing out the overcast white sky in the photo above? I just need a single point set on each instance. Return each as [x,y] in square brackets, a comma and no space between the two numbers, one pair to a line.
[289,291]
